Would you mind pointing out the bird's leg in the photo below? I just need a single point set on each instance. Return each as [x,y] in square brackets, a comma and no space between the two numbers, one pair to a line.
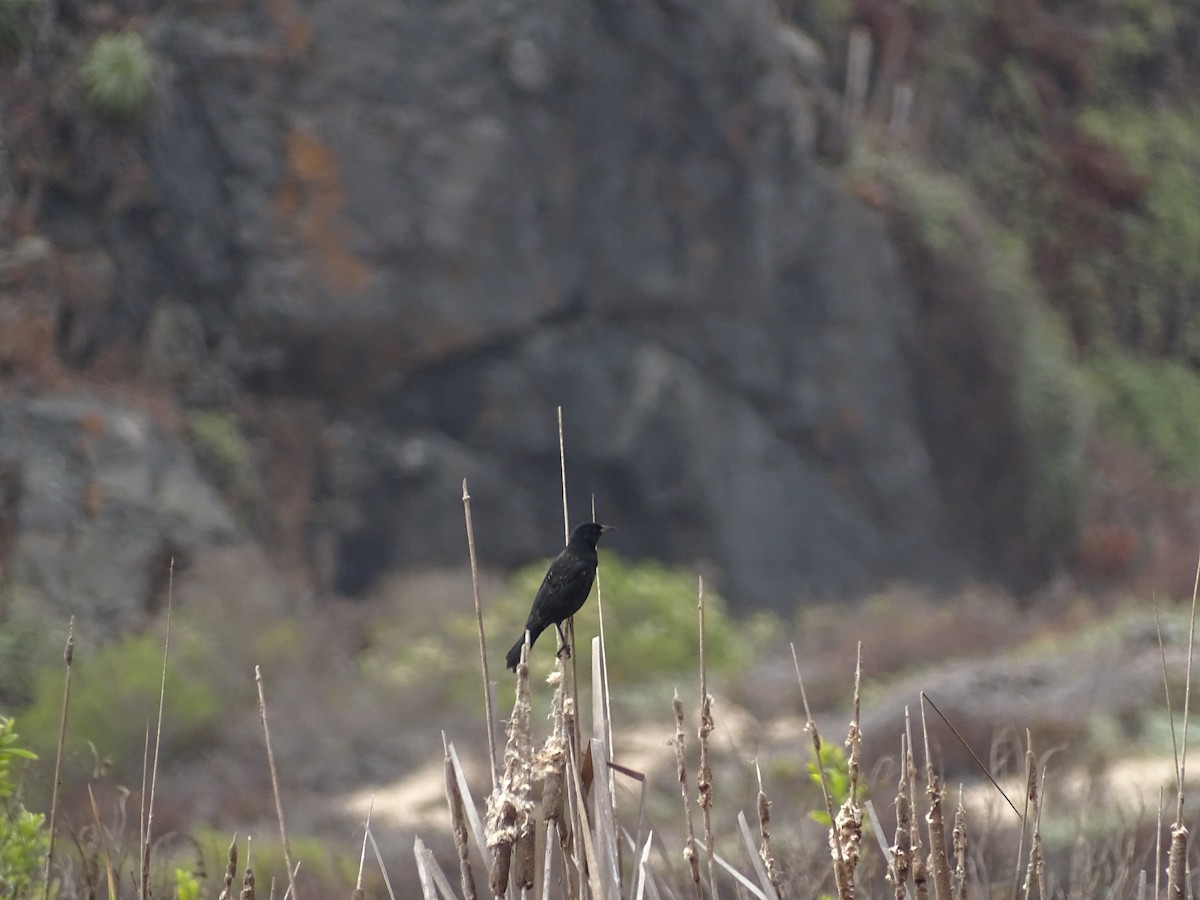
[564,649]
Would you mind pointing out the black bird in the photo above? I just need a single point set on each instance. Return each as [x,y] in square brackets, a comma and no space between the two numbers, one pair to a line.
[564,589]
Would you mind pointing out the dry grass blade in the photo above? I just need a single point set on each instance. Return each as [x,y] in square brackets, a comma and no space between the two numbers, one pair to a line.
[489,709]
[939,863]
[424,874]
[562,464]
[110,875]
[1187,700]
[926,700]
[689,847]
[608,735]
[162,695]
[635,841]
[1030,794]
[642,874]
[283,832]
[603,791]
[1158,831]
[584,830]
[458,826]
[742,881]
[1162,652]
[68,660]
[845,889]
[704,782]
[362,856]
[431,871]
[477,832]
[387,883]
[607,849]
[764,879]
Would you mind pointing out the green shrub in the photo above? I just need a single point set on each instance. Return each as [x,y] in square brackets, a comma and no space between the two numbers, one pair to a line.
[1152,405]
[1048,390]
[220,444]
[114,695]
[24,837]
[1155,277]
[118,76]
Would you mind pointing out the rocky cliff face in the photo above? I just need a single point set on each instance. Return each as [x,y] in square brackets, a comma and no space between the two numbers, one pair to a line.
[393,237]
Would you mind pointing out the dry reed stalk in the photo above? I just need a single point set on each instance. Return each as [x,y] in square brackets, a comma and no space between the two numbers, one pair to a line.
[489,709]
[68,659]
[902,848]
[230,871]
[704,783]
[101,839]
[1158,830]
[840,873]
[1036,847]
[248,876]
[458,825]
[1030,794]
[960,848]
[510,806]
[358,893]
[608,734]
[849,818]
[920,874]
[689,848]
[1035,806]
[1177,863]
[935,822]
[764,833]
[283,832]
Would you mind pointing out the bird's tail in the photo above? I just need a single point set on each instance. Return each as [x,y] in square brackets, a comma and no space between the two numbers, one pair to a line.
[514,655]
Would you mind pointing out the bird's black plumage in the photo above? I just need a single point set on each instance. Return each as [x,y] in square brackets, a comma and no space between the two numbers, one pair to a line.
[564,589]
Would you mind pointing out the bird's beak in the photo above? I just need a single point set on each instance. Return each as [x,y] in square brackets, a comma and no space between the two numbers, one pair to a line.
[604,528]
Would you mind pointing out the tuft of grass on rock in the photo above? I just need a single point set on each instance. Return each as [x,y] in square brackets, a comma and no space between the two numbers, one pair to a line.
[117,75]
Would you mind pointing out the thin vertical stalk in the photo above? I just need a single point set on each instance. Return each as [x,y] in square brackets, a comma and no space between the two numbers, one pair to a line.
[483,659]
[68,659]
[704,784]
[162,693]
[283,832]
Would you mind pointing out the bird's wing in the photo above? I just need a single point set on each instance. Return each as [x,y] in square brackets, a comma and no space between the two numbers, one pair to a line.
[563,590]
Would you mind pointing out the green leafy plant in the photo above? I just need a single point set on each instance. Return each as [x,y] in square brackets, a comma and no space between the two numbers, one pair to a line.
[187,886]
[837,776]
[1152,405]
[116,693]
[118,76]
[23,834]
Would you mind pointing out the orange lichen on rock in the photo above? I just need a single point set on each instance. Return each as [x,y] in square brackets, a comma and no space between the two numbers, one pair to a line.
[311,198]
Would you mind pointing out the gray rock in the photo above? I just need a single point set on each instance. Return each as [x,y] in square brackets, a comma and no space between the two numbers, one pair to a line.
[441,220]
[96,501]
